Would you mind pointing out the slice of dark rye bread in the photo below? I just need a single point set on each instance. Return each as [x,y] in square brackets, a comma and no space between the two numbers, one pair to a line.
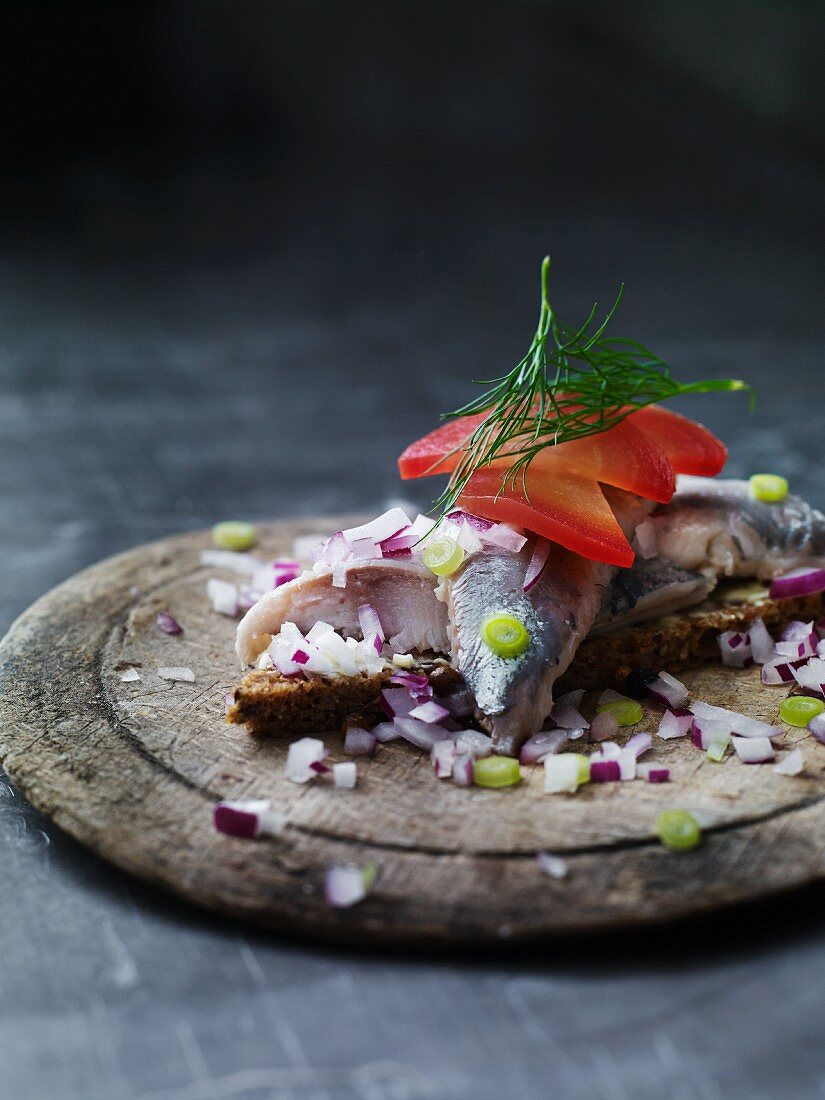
[272,705]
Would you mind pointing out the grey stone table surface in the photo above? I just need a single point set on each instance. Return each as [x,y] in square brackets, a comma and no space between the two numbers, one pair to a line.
[153,379]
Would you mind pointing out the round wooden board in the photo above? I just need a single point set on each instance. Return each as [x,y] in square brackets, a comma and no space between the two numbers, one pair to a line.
[133,769]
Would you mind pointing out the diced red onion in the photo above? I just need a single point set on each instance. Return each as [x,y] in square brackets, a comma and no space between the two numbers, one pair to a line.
[792,764]
[365,550]
[429,712]
[396,702]
[674,725]
[658,775]
[223,595]
[339,574]
[381,528]
[735,649]
[670,690]
[538,562]
[811,675]
[458,515]
[301,757]
[639,744]
[463,770]
[248,597]
[399,542]
[753,750]
[335,549]
[798,641]
[780,672]
[609,751]
[415,680]
[799,582]
[344,885]
[359,742]
[544,743]
[248,819]
[500,534]
[604,727]
[386,731]
[762,646]
[168,624]
[627,763]
[605,771]
[561,774]
[554,866]
[565,711]
[421,734]
[816,726]
[345,775]
[370,622]
[733,722]
[243,564]
[443,757]
[228,700]
[474,743]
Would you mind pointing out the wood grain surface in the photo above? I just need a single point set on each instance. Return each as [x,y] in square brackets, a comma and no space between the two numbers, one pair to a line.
[133,769]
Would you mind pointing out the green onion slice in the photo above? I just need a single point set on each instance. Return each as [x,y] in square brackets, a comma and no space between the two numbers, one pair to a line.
[234,535]
[679,830]
[627,712]
[496,771]
[442,556]
[798,710]
[768,487]
[505,634]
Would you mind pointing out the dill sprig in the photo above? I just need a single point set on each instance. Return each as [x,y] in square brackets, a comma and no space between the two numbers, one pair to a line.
[573,382]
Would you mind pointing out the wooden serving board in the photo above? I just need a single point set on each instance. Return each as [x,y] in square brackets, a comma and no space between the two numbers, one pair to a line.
[133,770]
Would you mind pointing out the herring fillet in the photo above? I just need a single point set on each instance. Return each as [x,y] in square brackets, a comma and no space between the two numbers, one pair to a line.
[714,526]
[514,695]
[401,589]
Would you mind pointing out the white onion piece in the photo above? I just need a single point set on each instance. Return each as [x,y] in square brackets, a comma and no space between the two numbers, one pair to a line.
[301,756]
[811,675]
[762,646]
[369,621]
[735,649]
[244,564]
[503,535]
[608,750]
[429,712]
[130,676]
[463,770]
[816,727]
[604,727]
[627,763]
[359,742]
[223,596]
[335,549]
[561,774]
[345,884]
[799,640]
[339,574]
[609,696]
[565,711]
[443,757]
[753,750]
[735,722]
[554,866]
[670,690]
[381,528]
[421,734]
[396,702]
[779,672]
[365,550]
[307,547]
[177,673]
[473,743]
[386,731]
[345,775]
[792,764]
[674,725]
[644,540]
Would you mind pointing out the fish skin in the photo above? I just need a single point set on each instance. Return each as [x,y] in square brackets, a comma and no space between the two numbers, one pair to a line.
[652,587]
[715,527]
[401,589]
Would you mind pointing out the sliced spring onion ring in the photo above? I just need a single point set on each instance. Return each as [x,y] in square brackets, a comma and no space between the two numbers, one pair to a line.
[496,771]
[505,634]
[442,556]
[234,535]
[768,487]
[627,712]
[678,830]
[798,710]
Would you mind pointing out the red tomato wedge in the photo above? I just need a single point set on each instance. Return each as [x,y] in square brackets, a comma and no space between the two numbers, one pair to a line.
[622,456]
[571,511]
[691,448]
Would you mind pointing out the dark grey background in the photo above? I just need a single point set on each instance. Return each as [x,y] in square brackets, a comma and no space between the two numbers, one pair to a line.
[247,252]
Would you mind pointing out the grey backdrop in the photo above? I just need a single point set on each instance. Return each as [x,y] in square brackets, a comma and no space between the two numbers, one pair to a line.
[250,251]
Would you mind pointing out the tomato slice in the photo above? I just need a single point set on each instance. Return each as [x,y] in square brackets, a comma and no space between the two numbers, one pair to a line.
[622,456]
[691,448]
[571,511]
